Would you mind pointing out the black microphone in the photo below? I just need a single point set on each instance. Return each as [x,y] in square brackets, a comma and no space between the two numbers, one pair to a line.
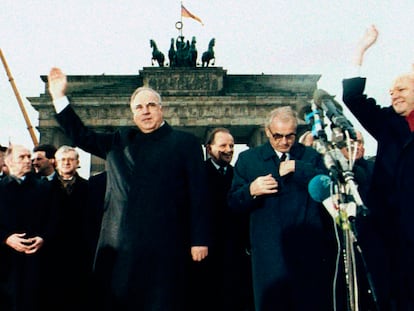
[333,111]
[335,162]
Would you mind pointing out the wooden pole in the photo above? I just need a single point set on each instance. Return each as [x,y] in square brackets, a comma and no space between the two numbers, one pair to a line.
[19,100]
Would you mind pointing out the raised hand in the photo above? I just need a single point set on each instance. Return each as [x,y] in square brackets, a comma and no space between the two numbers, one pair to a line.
[57,83]
[368,39]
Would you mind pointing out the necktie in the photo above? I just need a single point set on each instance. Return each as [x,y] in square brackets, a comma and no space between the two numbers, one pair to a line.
[283,157]
[221,170]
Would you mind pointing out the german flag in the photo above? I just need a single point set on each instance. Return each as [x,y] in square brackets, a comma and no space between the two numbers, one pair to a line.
[187,13]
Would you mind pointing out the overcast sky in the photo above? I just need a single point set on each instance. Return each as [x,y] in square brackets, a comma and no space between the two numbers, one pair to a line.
[252,37]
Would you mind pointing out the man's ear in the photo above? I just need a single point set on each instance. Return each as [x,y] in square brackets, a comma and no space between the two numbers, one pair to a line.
[7,161]
[208,148]
[267,132]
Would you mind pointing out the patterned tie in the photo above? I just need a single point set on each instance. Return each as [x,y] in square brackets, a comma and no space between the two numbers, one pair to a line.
[283,157]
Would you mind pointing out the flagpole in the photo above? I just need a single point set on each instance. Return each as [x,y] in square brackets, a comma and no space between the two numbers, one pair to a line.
[181,19]
[19,100]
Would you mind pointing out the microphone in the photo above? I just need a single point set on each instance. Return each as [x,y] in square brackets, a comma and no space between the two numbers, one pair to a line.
[335,162]
[319,189]
[333,111]
[314,118]
[340,170]
[353,188]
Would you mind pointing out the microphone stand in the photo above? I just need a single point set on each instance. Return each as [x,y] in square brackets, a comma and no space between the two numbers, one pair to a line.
[350,206]
[371,287]
[349,201]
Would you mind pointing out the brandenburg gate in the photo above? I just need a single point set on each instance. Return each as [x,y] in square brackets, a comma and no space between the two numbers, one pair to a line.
[195,99]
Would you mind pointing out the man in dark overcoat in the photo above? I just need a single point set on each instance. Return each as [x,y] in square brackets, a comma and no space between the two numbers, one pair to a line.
[155,217]
[25,227]
[71,251]
[292,256]
[390,196]
[3,167]
[226,271]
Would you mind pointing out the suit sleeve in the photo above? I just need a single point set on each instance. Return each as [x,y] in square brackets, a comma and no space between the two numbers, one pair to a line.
[239,197]
[199,201]
[365,109]
[83,137]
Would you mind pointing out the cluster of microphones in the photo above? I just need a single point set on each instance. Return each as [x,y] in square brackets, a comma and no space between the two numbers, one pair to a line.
[337,191]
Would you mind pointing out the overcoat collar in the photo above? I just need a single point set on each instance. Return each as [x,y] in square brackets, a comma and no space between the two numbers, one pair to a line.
[159,133]
[295,152]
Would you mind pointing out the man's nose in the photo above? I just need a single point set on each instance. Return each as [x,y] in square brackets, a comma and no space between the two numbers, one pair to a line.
[395,94]
[145,109]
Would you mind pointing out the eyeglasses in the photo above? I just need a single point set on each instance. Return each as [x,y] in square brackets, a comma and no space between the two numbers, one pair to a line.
[277,136]
[66,160]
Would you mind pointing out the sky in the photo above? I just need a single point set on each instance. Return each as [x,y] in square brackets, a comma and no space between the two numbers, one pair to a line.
[251,37]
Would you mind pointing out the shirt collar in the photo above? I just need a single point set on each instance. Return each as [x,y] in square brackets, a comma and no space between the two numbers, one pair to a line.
[218,166]
[279,154]
[410,120]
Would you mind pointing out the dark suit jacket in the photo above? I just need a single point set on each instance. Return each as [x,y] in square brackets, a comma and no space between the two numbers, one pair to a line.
[70,252]
[97,189]
[24,207]
[226,272]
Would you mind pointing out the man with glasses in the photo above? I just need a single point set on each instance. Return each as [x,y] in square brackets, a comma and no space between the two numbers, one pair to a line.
[156,217]
[70,253]
[289,246]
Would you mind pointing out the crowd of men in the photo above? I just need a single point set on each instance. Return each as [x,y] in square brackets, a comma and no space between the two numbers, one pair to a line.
[167,228]
[63,224]
[51,223]
[48,227]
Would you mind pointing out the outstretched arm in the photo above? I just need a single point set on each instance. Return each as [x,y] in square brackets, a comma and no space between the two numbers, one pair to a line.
[368,39]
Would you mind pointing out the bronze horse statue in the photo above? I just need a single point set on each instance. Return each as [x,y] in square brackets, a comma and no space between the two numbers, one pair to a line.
[157,55]
[209,54]
[192,53]
[172,54]
[184,54]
